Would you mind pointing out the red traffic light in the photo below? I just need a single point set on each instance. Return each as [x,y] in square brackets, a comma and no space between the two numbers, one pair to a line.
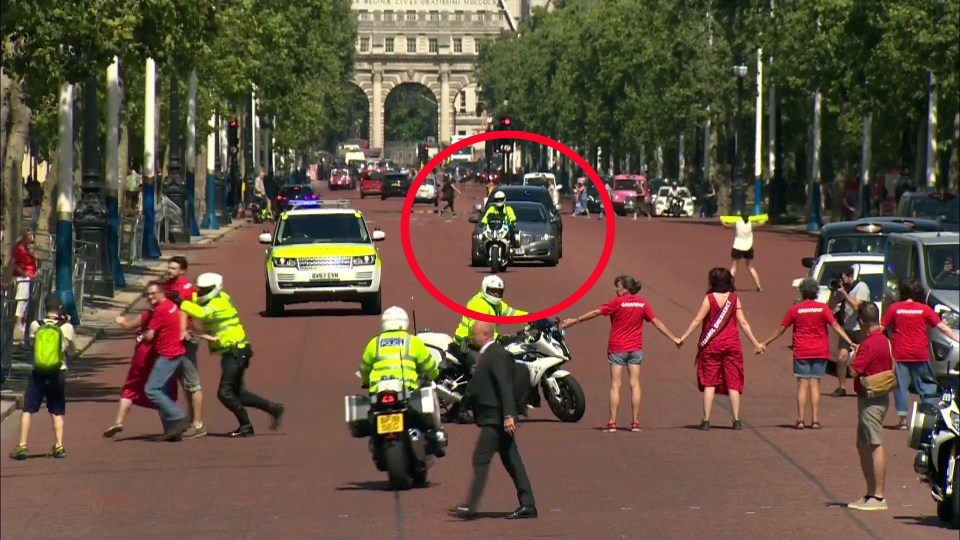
[233,123]
[505,121]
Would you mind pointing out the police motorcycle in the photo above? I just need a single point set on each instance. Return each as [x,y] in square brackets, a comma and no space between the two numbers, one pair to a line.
[495,239]
[539,347]
[259,209]
[935,433]
[404,428]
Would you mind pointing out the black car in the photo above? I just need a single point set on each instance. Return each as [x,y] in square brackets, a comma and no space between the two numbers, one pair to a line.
[395,184]
[298,192]
[536,194]
[941,207]
[868,235]
[536,232]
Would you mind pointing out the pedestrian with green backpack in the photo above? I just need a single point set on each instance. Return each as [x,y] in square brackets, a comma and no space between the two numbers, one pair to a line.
[53,342]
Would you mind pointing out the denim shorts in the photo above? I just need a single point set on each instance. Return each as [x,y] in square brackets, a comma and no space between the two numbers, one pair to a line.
[810,368]
[622,359]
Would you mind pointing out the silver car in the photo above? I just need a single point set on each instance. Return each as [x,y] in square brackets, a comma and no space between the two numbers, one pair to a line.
[535,231]
[933,258]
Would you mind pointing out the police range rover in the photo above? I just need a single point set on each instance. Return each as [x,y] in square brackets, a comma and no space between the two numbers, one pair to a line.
[322,255]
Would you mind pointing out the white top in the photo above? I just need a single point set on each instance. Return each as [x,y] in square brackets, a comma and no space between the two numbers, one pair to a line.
[743,238]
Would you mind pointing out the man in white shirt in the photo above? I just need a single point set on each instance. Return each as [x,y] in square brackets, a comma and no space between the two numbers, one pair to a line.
[260,191]
[854,293]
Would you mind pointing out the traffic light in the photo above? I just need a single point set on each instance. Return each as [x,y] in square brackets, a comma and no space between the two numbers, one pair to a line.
[506,122]
[424,153]
[233,137]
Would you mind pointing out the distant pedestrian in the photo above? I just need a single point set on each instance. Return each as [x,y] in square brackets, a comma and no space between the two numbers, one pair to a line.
[627,312]
[35,197]
[811,346]
[719,359]
[24,271]
[743,246]
[910,318]
[872,357]
[53,343]
[132,190]
[448,192]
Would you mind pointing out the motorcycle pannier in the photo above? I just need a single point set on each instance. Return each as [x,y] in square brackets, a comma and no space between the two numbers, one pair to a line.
[428,405]
[357,409]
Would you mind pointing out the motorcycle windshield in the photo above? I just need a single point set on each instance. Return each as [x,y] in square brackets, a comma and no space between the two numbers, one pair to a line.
[495,223]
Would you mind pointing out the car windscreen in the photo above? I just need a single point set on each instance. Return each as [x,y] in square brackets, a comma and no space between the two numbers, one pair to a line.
[295,192]
[942,269]
[535,181]
[396,178]
[529,213]
[528,195]
[939,208]
[832,270]
[626,185]
[856,243]
[322,229]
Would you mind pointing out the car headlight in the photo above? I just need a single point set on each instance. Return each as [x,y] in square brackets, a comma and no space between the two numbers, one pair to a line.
[951,319]
[546,236]
[284,262]
[364,260]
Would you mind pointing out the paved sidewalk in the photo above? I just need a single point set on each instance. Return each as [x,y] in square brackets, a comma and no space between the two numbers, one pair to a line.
[98,315]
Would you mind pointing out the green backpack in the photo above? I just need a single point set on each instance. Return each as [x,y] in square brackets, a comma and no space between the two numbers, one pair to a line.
[48,348]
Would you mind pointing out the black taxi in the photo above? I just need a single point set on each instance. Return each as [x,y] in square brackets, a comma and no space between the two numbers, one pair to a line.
[867,235]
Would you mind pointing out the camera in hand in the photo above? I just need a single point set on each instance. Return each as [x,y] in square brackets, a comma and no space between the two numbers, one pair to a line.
[834,285]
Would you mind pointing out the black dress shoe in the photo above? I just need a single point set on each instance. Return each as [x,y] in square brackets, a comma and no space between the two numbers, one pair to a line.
[242,431]
[462,512]
[277,418]
[524,512]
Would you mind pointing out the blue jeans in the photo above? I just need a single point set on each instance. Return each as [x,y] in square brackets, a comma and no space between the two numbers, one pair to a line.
[163,370]
[924,382]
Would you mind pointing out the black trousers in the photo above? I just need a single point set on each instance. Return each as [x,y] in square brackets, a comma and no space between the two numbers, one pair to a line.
[233,393]
[493,439]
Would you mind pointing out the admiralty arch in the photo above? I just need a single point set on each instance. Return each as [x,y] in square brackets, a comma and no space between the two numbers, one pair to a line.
[432,43]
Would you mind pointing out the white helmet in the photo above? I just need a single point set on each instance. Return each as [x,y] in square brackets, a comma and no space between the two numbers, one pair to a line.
[492,289]
[209,285]
[394,318]
[499,199]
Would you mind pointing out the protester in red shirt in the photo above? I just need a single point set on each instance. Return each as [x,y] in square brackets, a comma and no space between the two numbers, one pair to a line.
[24,270]
[870,358]
[811,348]
[627,313]
[178,285]
[165,329]
[910,318]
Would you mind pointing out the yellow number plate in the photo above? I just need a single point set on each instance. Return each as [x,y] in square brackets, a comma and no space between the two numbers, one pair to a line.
[389,423]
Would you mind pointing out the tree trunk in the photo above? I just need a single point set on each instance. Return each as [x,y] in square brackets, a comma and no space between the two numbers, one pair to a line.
[5,85]
[123,156]
[48,214]
[200,182]
[20,116]
[954,183]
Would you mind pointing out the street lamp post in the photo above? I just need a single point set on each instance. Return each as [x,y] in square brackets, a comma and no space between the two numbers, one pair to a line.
[90,218]
[175,184]
[738,191]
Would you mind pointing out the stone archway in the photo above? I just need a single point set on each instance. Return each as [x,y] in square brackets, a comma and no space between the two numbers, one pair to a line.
[358,114]
[411,114]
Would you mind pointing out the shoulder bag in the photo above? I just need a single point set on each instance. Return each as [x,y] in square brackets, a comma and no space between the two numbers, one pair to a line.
[881,384]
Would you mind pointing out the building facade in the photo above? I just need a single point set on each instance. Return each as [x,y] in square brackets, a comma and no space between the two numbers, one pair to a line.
[433,43]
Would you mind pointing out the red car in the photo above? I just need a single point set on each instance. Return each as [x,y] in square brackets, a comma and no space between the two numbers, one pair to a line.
[341,179]
[625,186]
[371,183]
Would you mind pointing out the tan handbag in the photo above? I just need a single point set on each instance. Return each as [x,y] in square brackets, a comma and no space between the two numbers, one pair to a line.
[881,384]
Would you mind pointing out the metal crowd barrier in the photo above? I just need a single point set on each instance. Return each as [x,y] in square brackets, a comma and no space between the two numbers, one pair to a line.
[131,238]
[169,220]
[22,300]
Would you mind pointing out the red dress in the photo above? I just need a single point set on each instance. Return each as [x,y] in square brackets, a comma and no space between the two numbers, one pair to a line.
[140,365]
[720,361]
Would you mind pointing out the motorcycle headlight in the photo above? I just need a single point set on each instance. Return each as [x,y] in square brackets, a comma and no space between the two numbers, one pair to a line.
[364,260]
[284,262]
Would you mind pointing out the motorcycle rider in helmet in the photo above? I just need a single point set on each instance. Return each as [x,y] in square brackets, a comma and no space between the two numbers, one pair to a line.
[395,353]
[488,301]
[499,208]
[673,195]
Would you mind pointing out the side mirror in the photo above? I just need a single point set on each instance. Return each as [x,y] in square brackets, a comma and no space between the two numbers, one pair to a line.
[473,219]
[693,199]
[796,283]
[807,262]
[378,235]
[265,238]
[477,208]
[559,188]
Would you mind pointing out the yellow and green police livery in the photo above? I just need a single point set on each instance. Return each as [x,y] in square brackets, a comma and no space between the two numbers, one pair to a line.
[322,255]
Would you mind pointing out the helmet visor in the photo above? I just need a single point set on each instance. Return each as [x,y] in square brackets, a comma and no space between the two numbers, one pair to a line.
[203,291]
[495,292]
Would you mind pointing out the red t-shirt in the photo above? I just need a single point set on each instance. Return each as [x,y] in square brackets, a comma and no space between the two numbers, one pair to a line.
[910,321]
[873,356]
[627,314]
[810,320]
[182,287]
[25,260]
[166,324]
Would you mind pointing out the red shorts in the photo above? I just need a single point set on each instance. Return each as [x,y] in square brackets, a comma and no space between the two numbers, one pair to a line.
[721,369]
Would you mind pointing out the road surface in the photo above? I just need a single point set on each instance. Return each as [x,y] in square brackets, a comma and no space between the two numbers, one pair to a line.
[312,480]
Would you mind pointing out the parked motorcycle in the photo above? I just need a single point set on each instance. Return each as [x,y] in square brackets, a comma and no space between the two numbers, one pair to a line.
[539,347]
[404,428]
[935,433]
[496,244]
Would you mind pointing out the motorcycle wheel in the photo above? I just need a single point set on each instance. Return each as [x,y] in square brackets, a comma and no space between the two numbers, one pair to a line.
[572,401]
[494,261]
[949,509]
[398,465]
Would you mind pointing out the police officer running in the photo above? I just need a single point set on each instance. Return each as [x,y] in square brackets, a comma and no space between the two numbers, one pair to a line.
[500,209]
[394,353]
[226,337]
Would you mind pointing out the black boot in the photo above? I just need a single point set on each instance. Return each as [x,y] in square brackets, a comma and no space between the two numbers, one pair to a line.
[242,431]
[277,417]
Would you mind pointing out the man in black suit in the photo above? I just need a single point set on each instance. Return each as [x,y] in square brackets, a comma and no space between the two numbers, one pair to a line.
[491,395]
